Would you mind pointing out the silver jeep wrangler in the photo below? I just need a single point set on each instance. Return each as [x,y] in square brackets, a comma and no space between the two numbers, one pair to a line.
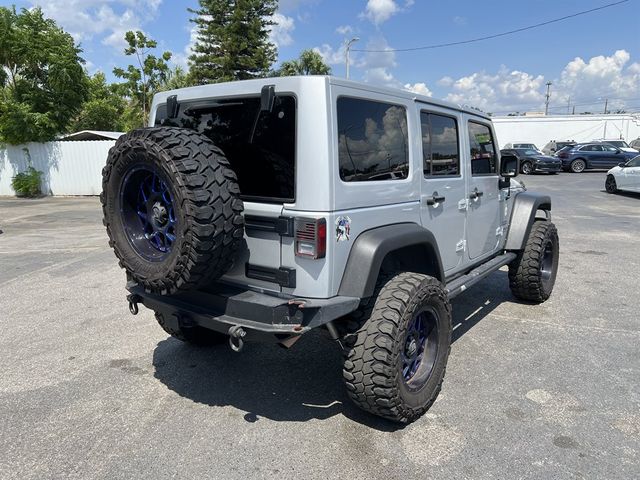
[259,210]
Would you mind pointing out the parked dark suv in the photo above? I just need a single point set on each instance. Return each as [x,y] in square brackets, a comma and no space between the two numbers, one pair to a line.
[592,155]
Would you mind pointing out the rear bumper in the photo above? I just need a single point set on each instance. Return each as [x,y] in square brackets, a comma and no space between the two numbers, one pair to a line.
[263,317]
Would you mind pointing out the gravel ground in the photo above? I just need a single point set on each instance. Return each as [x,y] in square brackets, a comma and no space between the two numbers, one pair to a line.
[88,391]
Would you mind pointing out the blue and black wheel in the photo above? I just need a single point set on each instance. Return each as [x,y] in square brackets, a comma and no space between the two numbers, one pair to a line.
[172,208]
[395,362]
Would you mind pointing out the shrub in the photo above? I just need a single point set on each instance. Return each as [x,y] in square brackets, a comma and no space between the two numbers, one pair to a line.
[27,184]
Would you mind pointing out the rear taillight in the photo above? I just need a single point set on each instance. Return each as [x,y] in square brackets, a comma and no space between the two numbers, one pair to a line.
[311,237]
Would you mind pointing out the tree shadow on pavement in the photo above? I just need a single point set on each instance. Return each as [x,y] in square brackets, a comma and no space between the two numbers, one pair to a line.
[295,385]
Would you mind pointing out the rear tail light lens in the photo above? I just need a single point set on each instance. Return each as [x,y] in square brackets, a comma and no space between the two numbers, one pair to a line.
[311,237]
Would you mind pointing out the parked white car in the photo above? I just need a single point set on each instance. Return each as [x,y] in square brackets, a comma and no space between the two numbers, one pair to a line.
[626,177]
[621,144]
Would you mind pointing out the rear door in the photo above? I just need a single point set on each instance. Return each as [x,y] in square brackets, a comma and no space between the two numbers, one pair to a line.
[443,186]
[484,217]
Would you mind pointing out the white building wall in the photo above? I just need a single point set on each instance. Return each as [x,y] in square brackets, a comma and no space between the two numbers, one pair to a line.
[581,128]
[69,168]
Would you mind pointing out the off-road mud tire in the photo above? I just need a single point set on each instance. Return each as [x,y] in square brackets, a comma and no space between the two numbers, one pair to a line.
[207,204]
[527,272]
[373,369]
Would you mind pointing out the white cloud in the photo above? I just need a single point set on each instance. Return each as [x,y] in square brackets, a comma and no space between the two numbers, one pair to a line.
[84,19]
[344,30]
[280,33]
[460,21]
[506,90]
[333,57]
[181,58]
[601,77]
[377,65]
[419,88]
[379,11]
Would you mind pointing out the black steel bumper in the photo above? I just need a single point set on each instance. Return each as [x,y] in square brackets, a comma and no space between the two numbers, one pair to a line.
[263,317]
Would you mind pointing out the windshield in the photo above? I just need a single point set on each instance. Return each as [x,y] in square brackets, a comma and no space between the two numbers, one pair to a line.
[525,145]
[528,152]
[259,145]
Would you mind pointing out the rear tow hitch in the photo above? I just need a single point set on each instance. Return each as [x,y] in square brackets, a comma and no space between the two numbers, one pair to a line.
[236,335]
[133,303]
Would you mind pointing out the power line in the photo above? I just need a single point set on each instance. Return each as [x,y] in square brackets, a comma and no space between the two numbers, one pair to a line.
[488,37]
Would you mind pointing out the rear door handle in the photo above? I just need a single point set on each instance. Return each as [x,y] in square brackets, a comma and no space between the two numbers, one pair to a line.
[475,194]
[435,198]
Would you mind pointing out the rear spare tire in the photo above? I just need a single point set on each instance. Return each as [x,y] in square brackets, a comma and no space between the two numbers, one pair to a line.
[172,208]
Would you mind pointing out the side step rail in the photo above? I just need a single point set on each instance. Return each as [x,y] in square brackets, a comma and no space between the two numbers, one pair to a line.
[460,284]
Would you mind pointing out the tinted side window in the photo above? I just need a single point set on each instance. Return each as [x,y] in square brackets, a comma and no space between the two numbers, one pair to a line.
[373,140]
[439,145]
[483,151]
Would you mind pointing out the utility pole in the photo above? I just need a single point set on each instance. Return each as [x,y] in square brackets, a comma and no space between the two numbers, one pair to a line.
[606,102]
[568,105]
[574,110]
[548,96]
[349,43]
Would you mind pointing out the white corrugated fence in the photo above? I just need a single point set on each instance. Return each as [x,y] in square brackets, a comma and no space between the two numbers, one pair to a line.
[69,168]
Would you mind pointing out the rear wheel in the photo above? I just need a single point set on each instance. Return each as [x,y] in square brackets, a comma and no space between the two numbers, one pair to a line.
[182,330]
[578,166]
[395,365]
[610,184]
[526,168]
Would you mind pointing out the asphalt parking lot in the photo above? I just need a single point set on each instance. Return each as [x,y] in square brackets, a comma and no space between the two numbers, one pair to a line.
[88,391]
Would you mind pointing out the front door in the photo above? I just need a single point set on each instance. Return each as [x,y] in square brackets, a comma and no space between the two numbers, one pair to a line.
[443,188]
[484,215]
[630,175]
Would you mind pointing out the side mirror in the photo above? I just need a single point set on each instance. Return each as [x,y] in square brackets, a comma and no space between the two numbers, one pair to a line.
[509,166]
[618,151]
[622,164]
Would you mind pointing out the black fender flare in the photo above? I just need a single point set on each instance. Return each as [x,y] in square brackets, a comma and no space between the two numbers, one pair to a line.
[523,214]
[415,246]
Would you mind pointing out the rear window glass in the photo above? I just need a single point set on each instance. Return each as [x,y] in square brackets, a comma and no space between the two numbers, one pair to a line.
[373,140]
[260,146]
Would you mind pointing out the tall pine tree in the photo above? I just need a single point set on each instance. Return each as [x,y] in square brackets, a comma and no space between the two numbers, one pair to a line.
[233,40]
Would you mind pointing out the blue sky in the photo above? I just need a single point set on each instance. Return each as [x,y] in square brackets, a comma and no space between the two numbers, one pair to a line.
[588,58]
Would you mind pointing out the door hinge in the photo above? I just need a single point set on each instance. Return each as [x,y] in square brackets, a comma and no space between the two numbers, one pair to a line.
[463,204]
[461,246]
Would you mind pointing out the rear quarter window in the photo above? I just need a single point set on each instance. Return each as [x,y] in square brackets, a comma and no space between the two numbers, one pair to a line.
[373,141]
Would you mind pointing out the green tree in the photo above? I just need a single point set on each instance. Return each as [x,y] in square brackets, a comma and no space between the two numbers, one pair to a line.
[309,62]
[42,84]
[233,40]
[141,81]
[176,78]
[104,108]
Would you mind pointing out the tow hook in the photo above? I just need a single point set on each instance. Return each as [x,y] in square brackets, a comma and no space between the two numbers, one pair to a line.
[236,335]
[133,303]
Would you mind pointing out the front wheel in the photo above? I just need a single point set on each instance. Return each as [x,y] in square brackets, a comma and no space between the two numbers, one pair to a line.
[610,184]
[578,166]
[526,168]
[395,366]
[532,274]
